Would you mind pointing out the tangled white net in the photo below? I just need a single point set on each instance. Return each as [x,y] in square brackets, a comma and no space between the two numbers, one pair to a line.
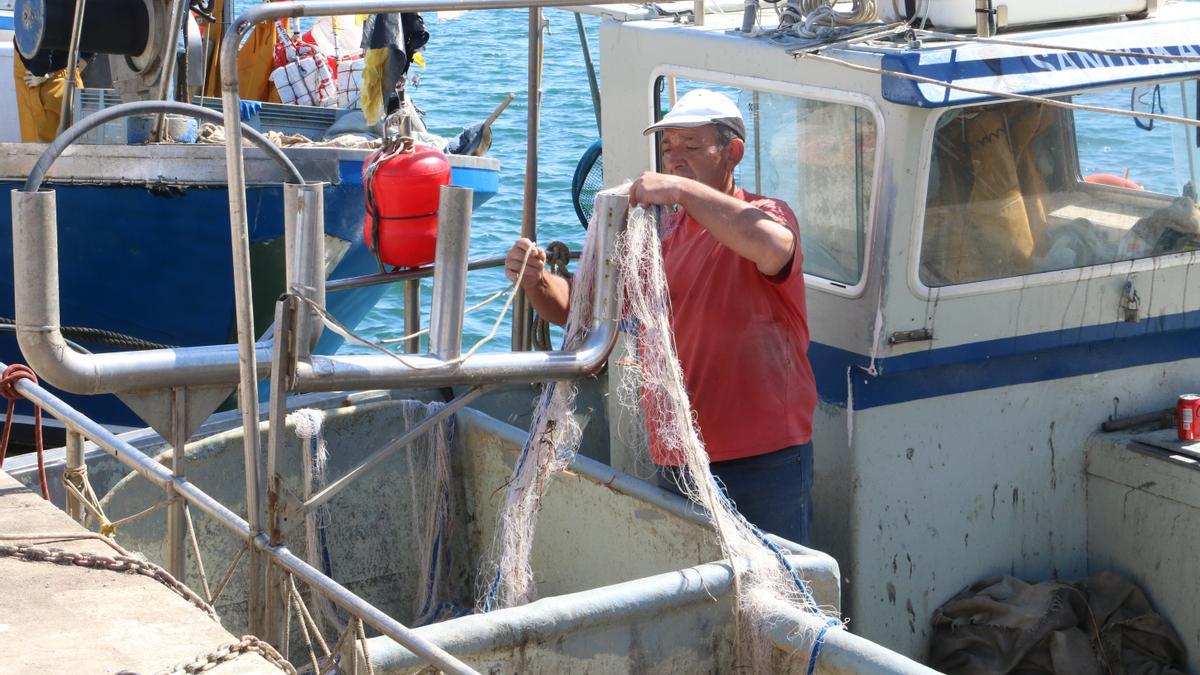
[553,441]
[433,505]
[431,500]
[763,577]
[308,424]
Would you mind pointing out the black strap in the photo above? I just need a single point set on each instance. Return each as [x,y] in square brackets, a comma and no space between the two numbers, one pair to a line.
[419,215]
[910,9]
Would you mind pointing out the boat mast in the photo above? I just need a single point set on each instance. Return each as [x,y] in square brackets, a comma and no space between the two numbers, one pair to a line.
[167,65]
[68,99]
[522,338]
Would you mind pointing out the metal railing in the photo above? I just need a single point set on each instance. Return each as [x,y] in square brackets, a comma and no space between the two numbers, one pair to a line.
[80,427]
[175,372]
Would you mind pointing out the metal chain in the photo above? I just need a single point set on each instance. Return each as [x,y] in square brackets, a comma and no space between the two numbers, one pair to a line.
[119,563]
[229,652]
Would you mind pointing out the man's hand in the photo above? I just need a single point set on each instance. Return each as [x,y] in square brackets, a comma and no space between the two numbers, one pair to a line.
[657,189]
[34,81]
[549,293]
[535,266]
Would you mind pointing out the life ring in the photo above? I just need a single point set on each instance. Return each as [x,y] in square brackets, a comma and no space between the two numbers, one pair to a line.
[1112,181]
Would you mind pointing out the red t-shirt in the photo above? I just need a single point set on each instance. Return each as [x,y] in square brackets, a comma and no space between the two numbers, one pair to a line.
[742,339]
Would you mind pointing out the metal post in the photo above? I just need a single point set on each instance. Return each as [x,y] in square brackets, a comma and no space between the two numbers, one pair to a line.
[593,85]
[450,272]
[304,242]
[698,12]
[412,315]
[286,340]
[749,15]
[176,525]
[522,313]
[174,26]
[247,358]
[612,209]
[985,18]
[67,111]
[74,463]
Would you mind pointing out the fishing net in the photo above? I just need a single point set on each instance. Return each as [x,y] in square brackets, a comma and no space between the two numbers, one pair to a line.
[586,182]
[308,424]
[432,507]
[427,472]
[764,579]
[553,441]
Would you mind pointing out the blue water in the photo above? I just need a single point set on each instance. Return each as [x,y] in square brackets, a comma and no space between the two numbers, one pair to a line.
[472,62]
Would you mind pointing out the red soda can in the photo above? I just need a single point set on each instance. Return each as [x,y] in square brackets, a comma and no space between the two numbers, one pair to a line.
[1187,417]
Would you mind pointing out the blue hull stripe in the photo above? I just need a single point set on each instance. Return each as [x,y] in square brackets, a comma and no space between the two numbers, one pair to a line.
[6,22]
[998,363]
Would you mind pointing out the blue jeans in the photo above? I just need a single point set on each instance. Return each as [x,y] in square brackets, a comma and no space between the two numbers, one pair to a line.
[773,491]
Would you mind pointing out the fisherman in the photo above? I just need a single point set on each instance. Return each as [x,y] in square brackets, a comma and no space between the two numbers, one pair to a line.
[40,84]
[733,267]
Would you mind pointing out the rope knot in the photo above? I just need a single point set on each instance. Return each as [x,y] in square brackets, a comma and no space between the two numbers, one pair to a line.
[12,375]
[558,256]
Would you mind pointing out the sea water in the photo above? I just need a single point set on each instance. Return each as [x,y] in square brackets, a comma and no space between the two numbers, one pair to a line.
[471,63]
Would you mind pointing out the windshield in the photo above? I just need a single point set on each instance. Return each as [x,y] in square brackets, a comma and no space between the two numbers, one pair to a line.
[1021,188]
[816,156]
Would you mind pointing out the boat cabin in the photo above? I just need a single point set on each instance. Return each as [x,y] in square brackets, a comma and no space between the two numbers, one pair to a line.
[989,279]
[998,237]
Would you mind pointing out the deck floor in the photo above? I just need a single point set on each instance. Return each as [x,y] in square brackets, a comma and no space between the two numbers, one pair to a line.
[71,619]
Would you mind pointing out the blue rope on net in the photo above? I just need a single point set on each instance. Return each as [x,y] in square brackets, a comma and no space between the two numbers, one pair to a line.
[792,572]
[819,643]
[772,547]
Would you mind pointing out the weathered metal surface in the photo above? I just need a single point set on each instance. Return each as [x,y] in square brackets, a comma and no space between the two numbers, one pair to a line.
[187,164]
[1143,521]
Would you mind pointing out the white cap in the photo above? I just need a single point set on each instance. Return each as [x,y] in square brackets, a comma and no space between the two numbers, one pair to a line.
[700,107]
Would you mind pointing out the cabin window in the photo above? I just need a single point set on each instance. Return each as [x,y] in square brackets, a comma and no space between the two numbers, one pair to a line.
[815,155]
[1022,188]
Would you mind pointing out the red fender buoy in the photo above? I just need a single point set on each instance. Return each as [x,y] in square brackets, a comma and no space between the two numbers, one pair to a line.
[402,193]
[1112,181]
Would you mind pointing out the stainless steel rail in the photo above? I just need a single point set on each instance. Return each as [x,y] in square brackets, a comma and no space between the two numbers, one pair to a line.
[35,273]
[349,283]
[450,273]
[331,373]
[157,474]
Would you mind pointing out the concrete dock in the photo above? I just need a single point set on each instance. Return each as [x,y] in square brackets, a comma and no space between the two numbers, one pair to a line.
[63,618]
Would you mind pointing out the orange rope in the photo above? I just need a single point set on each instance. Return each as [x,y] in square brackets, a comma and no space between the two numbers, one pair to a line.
[8,390]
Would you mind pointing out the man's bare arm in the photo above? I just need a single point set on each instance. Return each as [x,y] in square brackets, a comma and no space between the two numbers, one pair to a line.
[747,230]
[549,293]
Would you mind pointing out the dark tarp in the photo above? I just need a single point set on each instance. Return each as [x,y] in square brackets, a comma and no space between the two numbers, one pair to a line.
[1104,624]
